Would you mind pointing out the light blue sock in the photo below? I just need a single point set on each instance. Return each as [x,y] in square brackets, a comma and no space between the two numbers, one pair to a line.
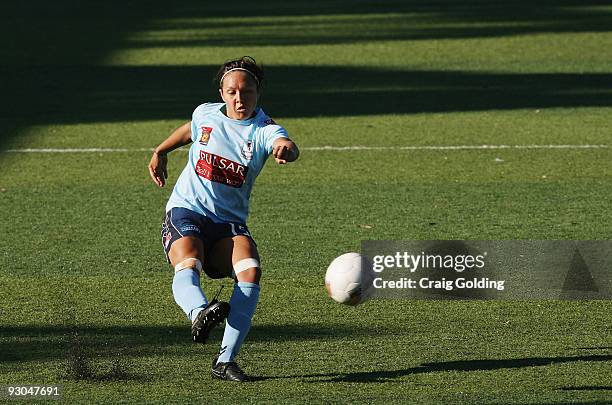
[187,292]
[243,303]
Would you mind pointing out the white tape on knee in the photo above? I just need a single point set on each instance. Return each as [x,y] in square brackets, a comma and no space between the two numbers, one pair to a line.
[191,263]
[244,265]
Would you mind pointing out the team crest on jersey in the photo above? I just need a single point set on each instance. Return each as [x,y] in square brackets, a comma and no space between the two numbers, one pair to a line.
[205,136]
[247,150]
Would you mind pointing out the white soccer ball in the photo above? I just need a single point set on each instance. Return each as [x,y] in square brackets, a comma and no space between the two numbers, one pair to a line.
[349,279]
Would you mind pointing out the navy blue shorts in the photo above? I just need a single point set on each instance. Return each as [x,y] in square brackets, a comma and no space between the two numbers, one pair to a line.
[180,222]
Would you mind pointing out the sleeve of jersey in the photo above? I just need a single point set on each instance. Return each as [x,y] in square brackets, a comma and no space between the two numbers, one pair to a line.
[194,131]
[271,134]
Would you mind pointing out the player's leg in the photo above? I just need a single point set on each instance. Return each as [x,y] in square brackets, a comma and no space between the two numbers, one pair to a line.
[186,254]
[241,252]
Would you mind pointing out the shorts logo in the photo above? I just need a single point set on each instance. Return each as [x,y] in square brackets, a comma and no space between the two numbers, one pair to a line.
[247,150]
[238,229]
[205,136]
[242,230]
[221,170]
[167,239]
[189,228]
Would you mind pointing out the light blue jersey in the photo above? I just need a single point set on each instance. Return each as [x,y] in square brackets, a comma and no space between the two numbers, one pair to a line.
[225,158]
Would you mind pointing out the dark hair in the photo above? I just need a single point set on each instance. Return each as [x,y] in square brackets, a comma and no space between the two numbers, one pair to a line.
[247,63]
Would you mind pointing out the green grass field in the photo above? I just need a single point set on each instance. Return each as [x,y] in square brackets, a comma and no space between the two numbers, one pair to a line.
[85,295]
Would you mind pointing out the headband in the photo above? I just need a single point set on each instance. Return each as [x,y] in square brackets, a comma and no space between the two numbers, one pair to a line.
[238,68]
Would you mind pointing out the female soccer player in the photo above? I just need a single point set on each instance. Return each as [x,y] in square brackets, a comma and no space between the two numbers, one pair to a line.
[205,225]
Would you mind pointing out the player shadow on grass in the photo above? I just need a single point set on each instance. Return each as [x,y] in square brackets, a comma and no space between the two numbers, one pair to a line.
[106,353]
[51,342]
[112,348]
[461,365]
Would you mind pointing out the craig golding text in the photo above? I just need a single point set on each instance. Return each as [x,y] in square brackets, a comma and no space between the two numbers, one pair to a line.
[441,284]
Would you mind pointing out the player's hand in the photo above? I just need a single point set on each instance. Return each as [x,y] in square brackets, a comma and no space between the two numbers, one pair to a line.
[282,153]
[158,169]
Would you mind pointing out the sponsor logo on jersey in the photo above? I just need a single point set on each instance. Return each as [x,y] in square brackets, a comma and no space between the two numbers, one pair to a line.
[269,121]
[205,135]
[247,150]
[221,170]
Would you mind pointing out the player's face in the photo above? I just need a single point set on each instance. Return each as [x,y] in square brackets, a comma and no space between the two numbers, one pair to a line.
[239,91]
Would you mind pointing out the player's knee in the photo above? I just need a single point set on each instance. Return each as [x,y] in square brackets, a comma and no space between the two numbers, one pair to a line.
[247,270]
[252,275]
[190,263]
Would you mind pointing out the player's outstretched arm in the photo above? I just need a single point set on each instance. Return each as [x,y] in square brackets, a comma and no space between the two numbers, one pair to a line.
[284,151]
[159,161]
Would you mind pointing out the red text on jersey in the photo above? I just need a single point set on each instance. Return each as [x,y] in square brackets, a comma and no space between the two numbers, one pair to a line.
[221,170]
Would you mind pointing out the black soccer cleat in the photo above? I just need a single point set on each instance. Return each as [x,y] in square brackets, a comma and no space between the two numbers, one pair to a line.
[207,319]
[228,371]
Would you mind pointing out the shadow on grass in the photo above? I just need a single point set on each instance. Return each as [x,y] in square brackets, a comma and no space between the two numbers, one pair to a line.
[340,22]
[104,353]
[55,51]
[39,343]
[127,93]
[588,388]
[463,365]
